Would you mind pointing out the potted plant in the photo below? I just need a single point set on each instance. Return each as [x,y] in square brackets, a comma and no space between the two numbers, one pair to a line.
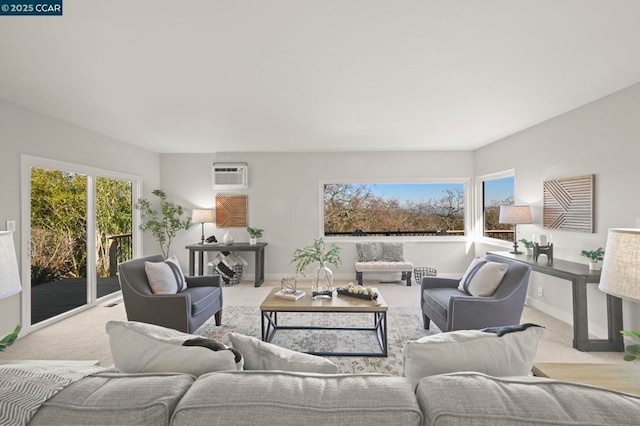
[254,234]
[164,222]
[9,339]
[594,256]
[322,279]
[528,246]
[633,350]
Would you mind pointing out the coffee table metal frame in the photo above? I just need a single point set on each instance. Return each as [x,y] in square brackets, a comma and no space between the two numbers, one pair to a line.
[270,325]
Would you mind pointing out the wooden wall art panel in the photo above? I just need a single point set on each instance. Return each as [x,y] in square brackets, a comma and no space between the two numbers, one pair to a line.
[568,203]
[231,211]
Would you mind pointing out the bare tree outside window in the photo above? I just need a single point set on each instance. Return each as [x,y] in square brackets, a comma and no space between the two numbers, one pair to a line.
[416,209]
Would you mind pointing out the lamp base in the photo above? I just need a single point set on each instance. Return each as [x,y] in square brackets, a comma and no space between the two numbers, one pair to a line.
[515,252]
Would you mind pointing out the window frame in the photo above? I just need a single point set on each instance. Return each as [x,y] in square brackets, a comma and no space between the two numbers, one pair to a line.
[479,206]
[465,181]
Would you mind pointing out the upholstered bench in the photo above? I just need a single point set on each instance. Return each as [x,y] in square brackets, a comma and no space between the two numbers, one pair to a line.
[405,267]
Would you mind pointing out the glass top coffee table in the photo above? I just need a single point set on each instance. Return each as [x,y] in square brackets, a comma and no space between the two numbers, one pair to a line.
[338,304]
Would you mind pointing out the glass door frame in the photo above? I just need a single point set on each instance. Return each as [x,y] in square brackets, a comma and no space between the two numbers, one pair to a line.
[27,162]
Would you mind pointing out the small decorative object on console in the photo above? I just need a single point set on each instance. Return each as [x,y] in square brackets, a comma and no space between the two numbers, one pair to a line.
[358,291]
[227,238]
[298,294]
[546,250]
[288,285]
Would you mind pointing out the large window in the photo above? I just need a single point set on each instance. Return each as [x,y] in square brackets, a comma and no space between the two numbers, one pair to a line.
[497,191]
[394,209]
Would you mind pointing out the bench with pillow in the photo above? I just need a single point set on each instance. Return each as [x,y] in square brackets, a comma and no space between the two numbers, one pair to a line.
[390,260]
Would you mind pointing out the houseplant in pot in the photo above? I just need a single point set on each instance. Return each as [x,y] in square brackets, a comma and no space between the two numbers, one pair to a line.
[594,256]
[254,234]
[528,246]
[322,278]
[164,221]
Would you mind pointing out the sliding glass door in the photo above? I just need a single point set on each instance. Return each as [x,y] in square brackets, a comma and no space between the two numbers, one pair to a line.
[79,224]
[58,242]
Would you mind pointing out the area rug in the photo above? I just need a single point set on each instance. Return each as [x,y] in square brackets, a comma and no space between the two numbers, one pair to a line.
[403,324]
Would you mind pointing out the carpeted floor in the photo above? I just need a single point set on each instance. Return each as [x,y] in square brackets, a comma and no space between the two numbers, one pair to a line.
[83,336]
[403,324]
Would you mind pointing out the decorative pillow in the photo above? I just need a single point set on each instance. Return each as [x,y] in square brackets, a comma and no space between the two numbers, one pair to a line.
[165,277]
[472,350]
[138,347]
[367,252]
[393,252]
[259,355]
[483,277]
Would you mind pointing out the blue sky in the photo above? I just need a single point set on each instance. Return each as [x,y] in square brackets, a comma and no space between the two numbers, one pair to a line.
[498,189]
[412,191]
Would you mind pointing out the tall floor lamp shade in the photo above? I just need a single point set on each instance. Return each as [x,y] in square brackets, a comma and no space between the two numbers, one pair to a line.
[9,276]
[515,215]
[202,216]
[620,274]
[9,279]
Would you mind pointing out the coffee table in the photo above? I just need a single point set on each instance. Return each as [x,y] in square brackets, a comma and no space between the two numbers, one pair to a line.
[623,377]
[273,305]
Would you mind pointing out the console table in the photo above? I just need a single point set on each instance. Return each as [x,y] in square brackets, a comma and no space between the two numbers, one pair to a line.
[257,248]
[580,275]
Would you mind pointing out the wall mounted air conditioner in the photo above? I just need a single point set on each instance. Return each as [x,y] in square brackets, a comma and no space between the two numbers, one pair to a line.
[230,176]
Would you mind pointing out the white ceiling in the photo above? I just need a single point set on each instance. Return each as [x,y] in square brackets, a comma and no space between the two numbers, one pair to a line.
[317,75]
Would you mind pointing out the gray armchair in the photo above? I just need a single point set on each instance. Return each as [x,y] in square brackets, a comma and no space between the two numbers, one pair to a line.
[184,311]
[451,309]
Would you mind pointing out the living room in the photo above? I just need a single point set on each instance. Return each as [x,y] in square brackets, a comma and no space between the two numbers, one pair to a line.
[585,125]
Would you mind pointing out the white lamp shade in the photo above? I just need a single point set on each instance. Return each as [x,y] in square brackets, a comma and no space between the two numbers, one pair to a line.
[202,216]
[620,274]
[9,276]
[515,214]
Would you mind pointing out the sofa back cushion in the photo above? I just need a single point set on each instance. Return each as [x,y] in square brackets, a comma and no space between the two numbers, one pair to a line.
[464,398]
[286,398]
[115,398]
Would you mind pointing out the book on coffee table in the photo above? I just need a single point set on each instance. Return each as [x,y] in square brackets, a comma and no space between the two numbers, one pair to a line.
[290,296]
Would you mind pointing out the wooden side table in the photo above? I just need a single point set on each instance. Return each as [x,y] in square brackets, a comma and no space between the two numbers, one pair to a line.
[620,377]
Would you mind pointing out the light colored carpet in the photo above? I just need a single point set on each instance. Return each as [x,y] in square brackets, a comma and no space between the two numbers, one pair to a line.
[403,324]
[83,336]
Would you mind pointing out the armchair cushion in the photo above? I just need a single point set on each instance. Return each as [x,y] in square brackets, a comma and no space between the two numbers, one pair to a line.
[138,347]
[483,277]
[165,277]
[511,354]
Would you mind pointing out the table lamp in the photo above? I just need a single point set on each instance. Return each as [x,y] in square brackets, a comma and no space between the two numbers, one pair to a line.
[203,216]
[9,278]
[620,274]
[515,215]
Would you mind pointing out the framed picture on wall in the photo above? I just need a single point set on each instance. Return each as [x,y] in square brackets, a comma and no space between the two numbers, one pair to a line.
[568,203]
[231,211]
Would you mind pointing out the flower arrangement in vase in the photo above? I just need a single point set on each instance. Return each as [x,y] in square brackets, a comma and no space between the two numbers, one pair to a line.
[322,279]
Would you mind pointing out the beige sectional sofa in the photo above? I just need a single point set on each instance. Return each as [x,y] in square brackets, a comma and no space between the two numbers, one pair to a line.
[286,398]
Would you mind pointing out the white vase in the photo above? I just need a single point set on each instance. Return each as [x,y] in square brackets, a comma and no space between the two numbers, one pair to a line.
[253,241]
[227,238]
[528,251]
[322,281]
[595,266]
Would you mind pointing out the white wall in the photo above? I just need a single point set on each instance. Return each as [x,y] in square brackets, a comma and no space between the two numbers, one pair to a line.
[601,138]
[25,132]
[284,199]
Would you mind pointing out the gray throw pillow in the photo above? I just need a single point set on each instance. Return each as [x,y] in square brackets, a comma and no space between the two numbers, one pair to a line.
[393,252]
[367,252]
